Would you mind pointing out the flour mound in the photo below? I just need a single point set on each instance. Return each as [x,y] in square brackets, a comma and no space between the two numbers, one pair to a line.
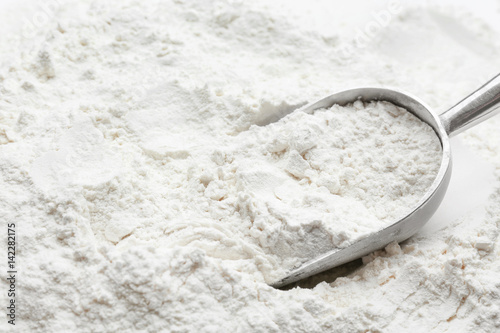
[159,169]
[312,182]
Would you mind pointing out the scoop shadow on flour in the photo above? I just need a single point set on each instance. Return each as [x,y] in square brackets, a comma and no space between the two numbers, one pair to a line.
[332,274]
[328,276]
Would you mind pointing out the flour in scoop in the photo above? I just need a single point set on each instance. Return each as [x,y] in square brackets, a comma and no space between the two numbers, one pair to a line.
[312,182]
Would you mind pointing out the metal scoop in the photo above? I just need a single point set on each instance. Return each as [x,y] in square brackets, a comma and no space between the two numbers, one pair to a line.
[476,108]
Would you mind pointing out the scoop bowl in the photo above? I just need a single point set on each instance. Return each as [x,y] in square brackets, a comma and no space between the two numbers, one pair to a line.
[477,107]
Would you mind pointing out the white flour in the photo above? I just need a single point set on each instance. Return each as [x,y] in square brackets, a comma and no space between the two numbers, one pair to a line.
[312,182]
[132,136]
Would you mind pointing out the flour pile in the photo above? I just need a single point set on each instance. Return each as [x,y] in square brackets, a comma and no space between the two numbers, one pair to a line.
[309,183]
[158,177]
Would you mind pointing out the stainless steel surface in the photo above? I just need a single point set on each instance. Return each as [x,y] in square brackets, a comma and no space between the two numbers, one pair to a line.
[479,106]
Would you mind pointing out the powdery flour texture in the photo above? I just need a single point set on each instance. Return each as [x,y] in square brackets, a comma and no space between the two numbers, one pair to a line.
[121,123]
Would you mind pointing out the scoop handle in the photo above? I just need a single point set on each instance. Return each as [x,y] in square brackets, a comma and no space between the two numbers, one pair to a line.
[474,109]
